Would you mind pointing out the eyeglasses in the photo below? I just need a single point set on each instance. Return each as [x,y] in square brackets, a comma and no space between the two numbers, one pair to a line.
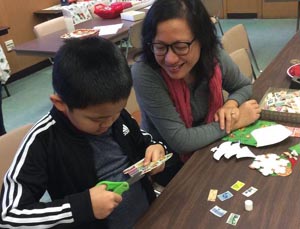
[180,48]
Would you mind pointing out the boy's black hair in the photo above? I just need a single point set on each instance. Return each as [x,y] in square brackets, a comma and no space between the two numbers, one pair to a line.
[90,71]
[200,24]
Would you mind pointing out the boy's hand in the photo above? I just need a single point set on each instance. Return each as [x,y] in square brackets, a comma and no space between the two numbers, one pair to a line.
[103,202]
[154,153]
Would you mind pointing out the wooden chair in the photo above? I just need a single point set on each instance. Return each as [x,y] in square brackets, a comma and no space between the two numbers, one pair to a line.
[9,144]
[213,8]
[241,58]
[51,26]
[237,38]
[133,43]
[133,107]
[243,61]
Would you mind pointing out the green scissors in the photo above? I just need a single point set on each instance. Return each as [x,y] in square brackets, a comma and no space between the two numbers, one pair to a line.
[121,186]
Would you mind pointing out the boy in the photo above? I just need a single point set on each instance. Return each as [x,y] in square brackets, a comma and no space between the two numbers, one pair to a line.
[87,137]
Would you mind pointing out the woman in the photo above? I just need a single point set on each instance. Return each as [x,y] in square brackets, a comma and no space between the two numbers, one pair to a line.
[180,77]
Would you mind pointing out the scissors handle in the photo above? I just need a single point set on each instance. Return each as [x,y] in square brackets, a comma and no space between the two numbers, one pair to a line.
[115,186]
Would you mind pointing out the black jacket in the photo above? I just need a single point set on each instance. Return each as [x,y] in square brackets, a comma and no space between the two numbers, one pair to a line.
[55,156]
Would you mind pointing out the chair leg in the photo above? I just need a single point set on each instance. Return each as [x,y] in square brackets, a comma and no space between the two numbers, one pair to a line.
[254,74]
[254,59]
[51,60]
[6,90]
[122,43]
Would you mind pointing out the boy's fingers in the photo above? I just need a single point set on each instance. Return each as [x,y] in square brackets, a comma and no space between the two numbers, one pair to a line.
[102,186]
[147,158]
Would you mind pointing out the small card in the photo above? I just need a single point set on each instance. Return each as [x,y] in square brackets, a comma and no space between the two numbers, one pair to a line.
[237,185]
[225,195]
[295,131]
[233,219]
[217,211]
[212,195]
[250,191]
[139,167]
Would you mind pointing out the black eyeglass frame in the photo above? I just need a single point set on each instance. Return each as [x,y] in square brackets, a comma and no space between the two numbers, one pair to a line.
[171,45]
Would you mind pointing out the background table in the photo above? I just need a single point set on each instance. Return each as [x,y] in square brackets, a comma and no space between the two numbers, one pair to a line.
[183,203]
[48,45]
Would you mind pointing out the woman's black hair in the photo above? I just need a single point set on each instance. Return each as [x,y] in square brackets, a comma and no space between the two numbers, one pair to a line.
[201,26]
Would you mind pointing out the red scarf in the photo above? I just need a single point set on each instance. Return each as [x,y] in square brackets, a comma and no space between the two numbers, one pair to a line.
[180,95]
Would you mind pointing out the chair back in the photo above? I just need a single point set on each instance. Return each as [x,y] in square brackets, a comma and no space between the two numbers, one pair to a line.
[134,43]
[135,32]
[9,144]
[213,7]
[235,38]
[243,61]
[133,107]
[50,26]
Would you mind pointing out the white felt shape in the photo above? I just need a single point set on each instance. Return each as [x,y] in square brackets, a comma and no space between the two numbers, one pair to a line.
[222,149]
[268,164]
[214,149]
[245,152]
[270,135]
[235,148]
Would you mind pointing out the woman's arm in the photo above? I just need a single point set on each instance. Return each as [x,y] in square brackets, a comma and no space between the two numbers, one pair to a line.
[157,106]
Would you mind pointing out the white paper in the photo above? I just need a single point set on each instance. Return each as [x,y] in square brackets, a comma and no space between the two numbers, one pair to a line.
[223,148]
[245,152]
[235,147]
[108,29]
[270,135]
[227,149]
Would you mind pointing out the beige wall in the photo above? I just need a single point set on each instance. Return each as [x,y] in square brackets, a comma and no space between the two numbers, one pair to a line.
[18,15]
[263,8]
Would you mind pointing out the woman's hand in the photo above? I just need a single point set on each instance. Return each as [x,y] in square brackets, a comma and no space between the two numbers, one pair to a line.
[154,153]
[249,112]
[227,115]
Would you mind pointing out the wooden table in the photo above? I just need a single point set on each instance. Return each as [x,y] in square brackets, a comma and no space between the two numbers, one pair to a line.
[183,203]
[48,45]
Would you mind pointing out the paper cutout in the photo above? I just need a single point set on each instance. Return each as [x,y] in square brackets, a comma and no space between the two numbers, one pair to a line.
[270,135]
[295,131]
[221,150]
[237,185]
[227,149]
[108,29]
[235,147]
[244,136]
[250,191]
[212,195]
[272,164]
[296,149]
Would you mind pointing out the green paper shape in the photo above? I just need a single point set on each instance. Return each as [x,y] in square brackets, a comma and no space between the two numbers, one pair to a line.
[243,135]
[296,148]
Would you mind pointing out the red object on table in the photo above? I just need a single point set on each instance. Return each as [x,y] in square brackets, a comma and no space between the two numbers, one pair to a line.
[112,11]
[295,71]
[125,5]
